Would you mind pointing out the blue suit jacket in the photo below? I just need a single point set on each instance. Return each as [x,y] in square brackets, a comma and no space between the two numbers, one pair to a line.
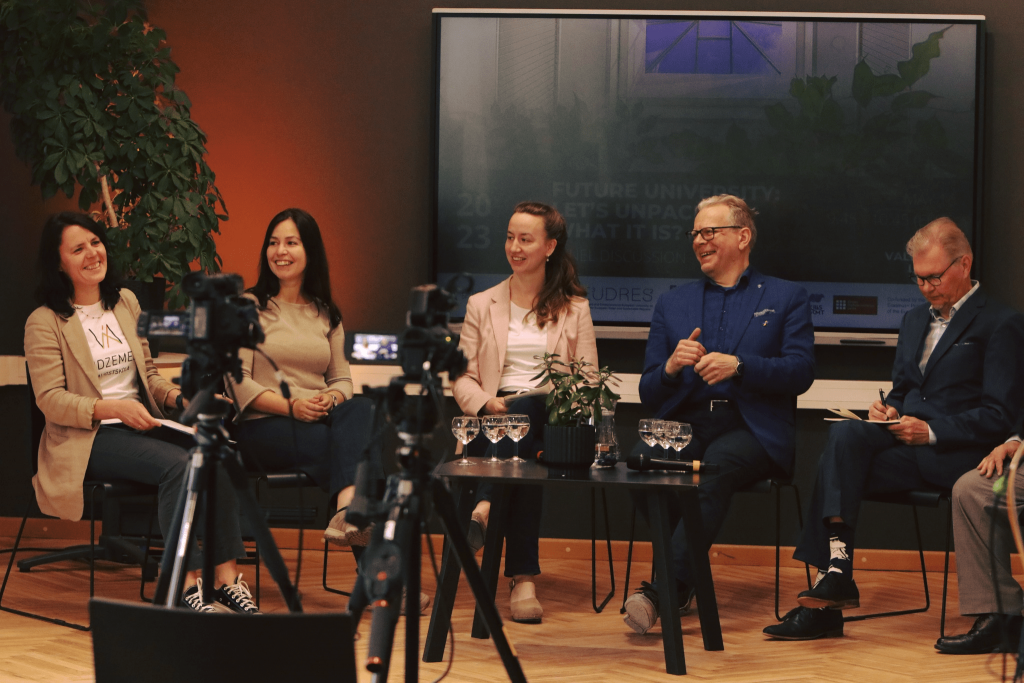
[777,348]
[972,390]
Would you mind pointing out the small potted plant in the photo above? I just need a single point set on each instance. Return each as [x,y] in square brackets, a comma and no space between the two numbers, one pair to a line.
[575,401]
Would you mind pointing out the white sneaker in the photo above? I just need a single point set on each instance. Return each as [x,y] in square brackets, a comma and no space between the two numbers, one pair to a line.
[193,599]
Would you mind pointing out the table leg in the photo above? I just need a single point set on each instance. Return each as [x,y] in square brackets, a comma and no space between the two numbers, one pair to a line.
[700,567]
[448,585]
[493,543]
[668,595]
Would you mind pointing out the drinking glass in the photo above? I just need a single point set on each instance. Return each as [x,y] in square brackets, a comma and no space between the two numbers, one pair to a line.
[661,433]
[646,430]
[495,429]
[682,434]
[465,430]
[518,427]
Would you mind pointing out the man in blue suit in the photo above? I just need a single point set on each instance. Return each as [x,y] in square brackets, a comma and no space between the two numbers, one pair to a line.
[728,354]
[958,383]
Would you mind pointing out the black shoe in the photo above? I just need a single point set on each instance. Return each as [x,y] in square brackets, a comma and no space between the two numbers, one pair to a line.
[985,636]
[801,623]
[834,591]
[236,597]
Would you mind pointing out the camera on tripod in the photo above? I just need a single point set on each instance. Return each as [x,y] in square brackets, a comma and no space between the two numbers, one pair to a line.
[218,322]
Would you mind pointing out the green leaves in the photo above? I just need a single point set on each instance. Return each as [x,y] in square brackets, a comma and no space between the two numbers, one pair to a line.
[577,394]
[92,85]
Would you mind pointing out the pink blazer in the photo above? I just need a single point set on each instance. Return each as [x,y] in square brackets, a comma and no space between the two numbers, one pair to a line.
[485,337]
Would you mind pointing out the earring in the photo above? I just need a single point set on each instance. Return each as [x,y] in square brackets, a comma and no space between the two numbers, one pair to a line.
[547,259]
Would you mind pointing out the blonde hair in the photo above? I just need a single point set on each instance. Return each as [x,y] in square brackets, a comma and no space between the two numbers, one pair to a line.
[944,232]
[739,212]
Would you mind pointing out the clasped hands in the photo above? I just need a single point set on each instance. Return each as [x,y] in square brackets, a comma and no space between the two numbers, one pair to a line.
[711,367]
[312,409]
[910,430]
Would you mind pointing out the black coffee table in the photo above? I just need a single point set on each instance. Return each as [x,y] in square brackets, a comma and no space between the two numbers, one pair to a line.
[659,486]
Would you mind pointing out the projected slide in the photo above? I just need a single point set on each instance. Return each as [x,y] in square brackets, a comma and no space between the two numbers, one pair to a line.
[846,136]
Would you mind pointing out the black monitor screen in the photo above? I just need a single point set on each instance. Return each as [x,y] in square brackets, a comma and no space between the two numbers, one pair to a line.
[845,133]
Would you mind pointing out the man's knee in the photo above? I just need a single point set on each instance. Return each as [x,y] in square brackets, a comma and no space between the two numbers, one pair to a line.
[972,490]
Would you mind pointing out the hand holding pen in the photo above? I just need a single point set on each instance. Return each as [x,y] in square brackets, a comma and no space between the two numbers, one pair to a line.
[880,410]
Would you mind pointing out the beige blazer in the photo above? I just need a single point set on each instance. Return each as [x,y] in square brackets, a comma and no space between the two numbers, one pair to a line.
[67,386]
[485,338]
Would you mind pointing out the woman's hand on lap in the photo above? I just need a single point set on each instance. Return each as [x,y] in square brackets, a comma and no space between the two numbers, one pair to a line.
[495,406]
[134,414]
[308,409]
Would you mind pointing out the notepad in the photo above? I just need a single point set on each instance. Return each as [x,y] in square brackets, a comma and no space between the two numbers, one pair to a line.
[845,414]
[166,423]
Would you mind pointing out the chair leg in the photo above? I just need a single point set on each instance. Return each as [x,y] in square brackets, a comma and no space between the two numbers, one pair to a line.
[145,554]
[778,542]
[326,587]
[800,521]
[629,561]
[593,551]
[924,578]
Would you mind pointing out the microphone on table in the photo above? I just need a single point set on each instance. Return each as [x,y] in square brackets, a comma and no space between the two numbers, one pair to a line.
[641,462]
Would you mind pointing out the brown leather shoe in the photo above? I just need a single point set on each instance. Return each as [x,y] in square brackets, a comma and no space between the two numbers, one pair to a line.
[525,610]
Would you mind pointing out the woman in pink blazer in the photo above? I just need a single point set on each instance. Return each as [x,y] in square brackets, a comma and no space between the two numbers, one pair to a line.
[539,309]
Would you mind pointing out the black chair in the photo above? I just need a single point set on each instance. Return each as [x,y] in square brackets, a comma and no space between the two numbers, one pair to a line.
[770,485]
[298,481]
[933,498]
[110,546]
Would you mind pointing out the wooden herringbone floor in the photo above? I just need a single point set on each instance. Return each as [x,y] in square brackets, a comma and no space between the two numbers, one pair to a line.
[573,643]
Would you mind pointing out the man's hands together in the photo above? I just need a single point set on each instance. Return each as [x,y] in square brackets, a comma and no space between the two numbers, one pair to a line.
[711,367]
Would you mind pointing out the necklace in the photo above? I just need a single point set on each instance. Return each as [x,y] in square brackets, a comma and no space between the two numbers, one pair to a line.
[85,310]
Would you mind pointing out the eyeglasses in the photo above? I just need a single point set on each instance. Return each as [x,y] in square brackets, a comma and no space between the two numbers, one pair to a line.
[709,233]
[933,280]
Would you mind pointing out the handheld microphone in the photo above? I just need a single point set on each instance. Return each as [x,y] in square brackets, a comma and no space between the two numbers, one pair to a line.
[641,462]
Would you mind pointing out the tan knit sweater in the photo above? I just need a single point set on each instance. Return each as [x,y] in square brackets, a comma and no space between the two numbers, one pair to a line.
[309,353]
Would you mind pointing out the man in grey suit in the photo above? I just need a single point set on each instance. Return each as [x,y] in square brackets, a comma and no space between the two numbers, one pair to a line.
[987,587]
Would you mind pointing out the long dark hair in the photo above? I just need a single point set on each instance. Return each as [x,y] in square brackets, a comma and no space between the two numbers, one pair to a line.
[561,279]
[55,289]
[316,280]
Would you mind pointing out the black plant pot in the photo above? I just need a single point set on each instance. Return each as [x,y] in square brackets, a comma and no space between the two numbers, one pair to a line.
[151,298]
[569,446]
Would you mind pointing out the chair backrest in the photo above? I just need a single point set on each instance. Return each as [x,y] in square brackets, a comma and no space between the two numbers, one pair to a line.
[133,642]
[36,421]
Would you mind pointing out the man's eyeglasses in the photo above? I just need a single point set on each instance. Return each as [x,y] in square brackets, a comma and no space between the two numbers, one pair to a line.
[709,233]
[933,280]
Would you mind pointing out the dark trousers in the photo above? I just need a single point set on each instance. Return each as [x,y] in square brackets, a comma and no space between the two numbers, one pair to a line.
[859,458]
[524,503]
[328,451]
[160,457]
[720,438]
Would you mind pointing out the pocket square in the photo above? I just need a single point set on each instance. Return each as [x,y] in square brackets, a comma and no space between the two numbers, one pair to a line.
[764,312]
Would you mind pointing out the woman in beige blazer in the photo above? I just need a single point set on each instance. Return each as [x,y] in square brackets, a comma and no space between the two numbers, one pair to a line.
[101,395]
[539,309]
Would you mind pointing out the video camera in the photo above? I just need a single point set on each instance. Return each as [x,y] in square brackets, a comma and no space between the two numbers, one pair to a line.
[218,322]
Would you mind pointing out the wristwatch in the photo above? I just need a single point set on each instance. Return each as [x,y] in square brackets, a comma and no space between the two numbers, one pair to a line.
[739,366]
[179,401]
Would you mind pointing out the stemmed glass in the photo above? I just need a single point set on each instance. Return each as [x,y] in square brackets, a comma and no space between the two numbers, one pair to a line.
[646,430]
[518,427]
[662,433]
[681,436]
[495,429]
[465,430]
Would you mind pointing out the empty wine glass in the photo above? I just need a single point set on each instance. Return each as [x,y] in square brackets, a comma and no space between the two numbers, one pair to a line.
[518,427]
[646,430]
[495,429]
[465,430]
[681,436]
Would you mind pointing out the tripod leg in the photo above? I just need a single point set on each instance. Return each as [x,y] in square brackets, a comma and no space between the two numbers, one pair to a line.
[491,564]
[445,507]
[447,586]
[268,549]
[412,597]
[173,563]
[209,534]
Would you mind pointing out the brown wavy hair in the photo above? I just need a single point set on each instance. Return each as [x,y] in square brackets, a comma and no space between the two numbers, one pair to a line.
[561,279]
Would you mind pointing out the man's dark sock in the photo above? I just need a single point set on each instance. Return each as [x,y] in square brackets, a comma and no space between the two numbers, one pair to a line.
[841,549]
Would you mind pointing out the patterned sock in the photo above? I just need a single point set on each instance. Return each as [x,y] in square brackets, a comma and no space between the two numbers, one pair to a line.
[840,545]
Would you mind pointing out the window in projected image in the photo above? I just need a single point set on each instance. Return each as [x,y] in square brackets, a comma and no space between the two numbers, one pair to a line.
[712,47]
[845,133]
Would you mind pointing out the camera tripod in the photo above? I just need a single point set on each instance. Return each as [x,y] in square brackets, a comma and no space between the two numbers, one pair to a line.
[214,448]
[392,558]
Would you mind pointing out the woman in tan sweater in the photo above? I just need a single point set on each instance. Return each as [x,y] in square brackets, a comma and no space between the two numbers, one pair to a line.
[305,338]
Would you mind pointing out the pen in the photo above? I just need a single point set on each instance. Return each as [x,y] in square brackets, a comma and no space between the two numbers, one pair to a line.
[881,395]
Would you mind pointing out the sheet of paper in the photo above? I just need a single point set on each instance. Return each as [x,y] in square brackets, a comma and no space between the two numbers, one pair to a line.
[166,423]
[875,422]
